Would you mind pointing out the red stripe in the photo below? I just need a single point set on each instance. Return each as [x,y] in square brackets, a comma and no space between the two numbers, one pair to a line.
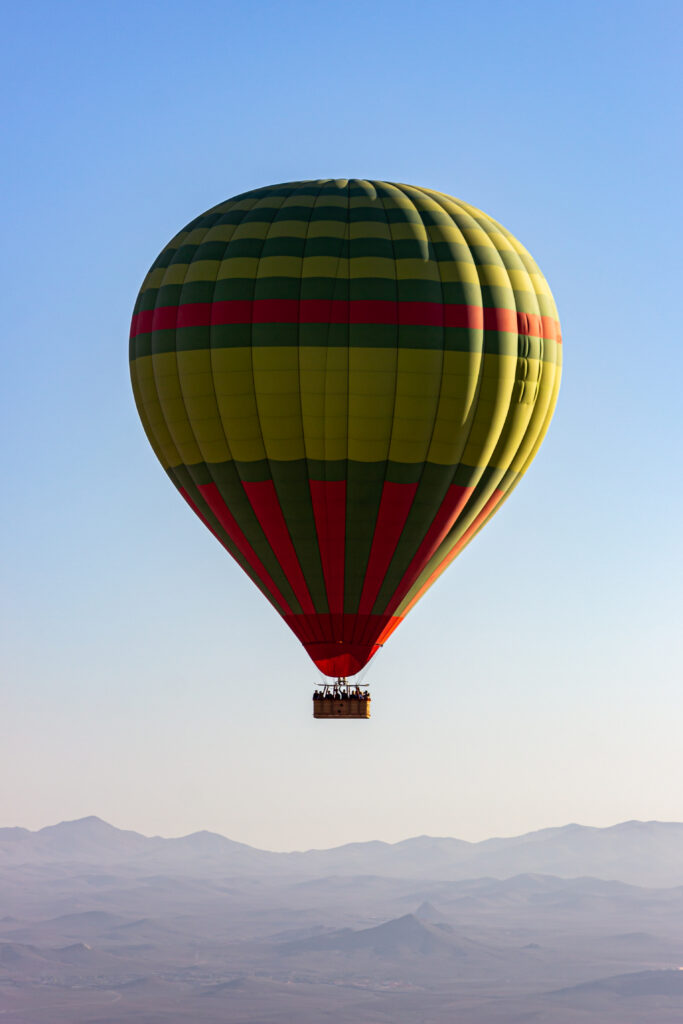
[329,510]
[396,502]
[335,657]
[213,499]
[337,311]
[450,509]
[264,501]
[467,536]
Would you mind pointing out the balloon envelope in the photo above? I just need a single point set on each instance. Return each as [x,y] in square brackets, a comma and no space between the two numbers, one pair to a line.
[344,379]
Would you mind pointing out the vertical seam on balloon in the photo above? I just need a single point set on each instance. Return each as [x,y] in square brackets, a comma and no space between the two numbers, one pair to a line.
[301,409]
[475,406]
[392,606]
[476,498]
[407,560]
[258,414]
[289,590]
[313,626]
[416,586]
[481,216]
[190,470]
[367,629]
[359,630]
[175,350]
[347,233]
[181,236]
[210,345]
[345,247]
[449,540]
[212,327]
[325,449]
[198,501]
[278,582]
[185,231]
[543,368]
[431,254]
[550,410]
[270,560]
[486,497]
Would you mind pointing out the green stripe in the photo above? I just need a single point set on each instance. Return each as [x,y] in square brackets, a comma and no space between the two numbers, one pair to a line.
[370,212]
[434,485]
[451,292]
[327,246]
[334,469]
[455,339]
[175,254]
[182,478]
[226,477]
[294,495]
[364,491]
[377,288]
[364,486]
[323,186]
[294,498]
[482,492]
[343,248]
[350,248]
[291,485]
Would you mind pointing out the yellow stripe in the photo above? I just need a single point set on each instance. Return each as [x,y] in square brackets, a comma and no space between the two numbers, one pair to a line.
[153,279]
[282,228]
[366,404]
[449,234]
[276,229]
[459,388]
[221,232]
[535,432]
[194,237]
[144,391]
[456,271]
[191,402]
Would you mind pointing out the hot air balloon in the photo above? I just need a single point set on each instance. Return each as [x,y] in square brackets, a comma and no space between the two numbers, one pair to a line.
[344,380]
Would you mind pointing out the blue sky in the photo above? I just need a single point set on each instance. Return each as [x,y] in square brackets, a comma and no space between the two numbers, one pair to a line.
[144,678]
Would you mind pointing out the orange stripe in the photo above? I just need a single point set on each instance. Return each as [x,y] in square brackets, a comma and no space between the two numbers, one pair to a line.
[467,535]
[450,510]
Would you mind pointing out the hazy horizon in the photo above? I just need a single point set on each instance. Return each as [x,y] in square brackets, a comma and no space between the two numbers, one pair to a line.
[236,839]
[102,925]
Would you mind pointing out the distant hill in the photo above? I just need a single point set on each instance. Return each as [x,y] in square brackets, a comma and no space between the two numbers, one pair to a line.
[635,852]
[640,983]
[24,958]
[402,935]
[428,912]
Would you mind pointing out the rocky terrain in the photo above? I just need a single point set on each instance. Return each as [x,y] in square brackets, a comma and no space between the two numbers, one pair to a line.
[102,926]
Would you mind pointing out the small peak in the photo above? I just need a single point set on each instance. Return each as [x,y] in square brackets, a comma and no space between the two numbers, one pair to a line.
[427,912]
[89,823]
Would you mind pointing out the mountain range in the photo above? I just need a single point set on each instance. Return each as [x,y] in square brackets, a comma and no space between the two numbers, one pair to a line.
[566,925]
[636,852]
